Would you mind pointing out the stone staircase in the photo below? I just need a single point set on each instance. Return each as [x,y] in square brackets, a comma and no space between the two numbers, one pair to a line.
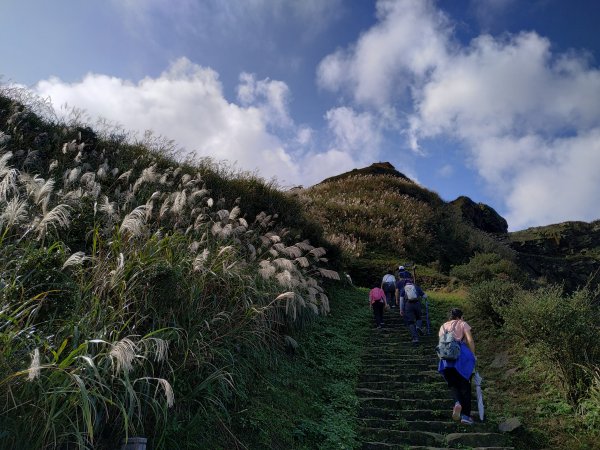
[405,403]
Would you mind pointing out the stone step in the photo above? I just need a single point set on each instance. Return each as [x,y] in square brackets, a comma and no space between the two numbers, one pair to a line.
[426,438]
[425,363]
[425,376]
[435,426]
[384,446]
[407,403]
[419,394]
[402,437]
[409,385]
[371,412]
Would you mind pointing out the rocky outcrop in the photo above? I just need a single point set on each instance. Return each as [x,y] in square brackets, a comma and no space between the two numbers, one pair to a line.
[481,215]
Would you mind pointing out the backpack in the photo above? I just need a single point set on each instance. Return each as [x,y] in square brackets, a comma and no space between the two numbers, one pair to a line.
[448,347]
[410,291]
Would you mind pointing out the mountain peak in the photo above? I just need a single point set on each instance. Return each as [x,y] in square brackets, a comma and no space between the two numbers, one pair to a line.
[378,168]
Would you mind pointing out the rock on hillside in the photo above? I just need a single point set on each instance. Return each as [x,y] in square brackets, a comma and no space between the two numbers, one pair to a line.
[481,215]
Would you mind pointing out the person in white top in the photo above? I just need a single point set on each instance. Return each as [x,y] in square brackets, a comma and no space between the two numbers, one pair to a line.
[388,284]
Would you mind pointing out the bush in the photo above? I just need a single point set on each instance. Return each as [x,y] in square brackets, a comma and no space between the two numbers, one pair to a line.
[490,298]
[565,330]
[486,266]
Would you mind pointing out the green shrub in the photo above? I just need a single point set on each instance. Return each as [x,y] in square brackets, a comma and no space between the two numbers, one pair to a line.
[564,329]
[490,298]
[486,266]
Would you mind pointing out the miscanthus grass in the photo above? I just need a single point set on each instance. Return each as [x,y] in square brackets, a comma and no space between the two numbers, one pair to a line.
[132,300]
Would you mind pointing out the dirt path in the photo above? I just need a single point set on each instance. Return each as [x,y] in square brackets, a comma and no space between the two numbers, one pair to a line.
[404,402]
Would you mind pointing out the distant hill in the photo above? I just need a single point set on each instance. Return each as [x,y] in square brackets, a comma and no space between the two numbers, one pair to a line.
[381,219]
[567,252]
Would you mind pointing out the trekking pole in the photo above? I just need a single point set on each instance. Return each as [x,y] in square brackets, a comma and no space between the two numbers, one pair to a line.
[427,316]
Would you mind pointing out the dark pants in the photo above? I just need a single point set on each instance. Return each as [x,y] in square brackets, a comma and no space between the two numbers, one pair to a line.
[378,313]
[461,389]
[412,317]
[390,297]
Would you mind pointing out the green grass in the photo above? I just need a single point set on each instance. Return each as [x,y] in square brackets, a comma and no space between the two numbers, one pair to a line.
[291,407]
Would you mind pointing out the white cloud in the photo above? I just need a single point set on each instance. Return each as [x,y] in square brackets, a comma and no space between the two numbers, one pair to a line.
[526,117]
[356,133]
[186,103]
[446,170]
[408,41]
[271,96]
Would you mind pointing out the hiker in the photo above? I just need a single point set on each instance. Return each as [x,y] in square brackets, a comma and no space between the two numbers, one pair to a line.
[458,372]
[403,274]
[410,307]
[377,302]
[388,284]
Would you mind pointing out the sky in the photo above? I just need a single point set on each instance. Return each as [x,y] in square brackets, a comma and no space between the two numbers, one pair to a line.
[498,100]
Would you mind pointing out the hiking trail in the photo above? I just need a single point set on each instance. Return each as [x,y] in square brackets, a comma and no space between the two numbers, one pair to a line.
[404,401]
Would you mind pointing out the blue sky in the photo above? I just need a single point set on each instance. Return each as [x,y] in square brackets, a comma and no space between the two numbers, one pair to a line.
[498,100]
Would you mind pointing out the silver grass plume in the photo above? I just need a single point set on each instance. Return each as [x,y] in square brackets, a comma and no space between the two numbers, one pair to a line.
[72,175]
[223,215]
[59,216]
[148,176]
[235,212]
[266,270]
[35,366]
[200,261]
[8,185]
[318,252]
[243,222]
[284,263]
[4,167]
[76,259]
[201,193]
[304,245]
[125,176]
[134,222]
[285,278]
[302,261]
[179,203]
[326,273]
[15,213]
[53,165]
[123,352]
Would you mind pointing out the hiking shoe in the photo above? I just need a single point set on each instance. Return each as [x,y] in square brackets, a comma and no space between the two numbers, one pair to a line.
[466,420]
[456,411]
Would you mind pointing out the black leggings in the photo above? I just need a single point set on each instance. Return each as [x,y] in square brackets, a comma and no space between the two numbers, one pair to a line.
[461,389]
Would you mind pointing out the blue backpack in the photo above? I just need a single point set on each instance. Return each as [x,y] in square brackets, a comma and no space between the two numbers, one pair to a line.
[448,347]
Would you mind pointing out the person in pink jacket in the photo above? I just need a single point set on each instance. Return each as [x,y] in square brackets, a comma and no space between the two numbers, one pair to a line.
[377,302]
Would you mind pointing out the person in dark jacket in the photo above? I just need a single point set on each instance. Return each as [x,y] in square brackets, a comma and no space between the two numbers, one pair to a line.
[410,307]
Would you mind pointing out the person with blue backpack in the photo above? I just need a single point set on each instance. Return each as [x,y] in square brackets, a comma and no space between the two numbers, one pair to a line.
[410,307]
[456,350]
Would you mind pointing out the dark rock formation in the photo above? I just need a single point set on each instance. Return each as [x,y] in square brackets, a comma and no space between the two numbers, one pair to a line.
[481,215]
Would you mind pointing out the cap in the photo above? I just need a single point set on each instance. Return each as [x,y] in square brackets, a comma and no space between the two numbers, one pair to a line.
[401,268]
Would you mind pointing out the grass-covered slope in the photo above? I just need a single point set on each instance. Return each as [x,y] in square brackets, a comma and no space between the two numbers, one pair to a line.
[382,219]
[137,292]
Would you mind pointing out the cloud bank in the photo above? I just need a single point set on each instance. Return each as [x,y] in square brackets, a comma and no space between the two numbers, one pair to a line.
[528,120]
[186,103]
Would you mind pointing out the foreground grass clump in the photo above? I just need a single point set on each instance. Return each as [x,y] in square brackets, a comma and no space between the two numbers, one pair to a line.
[133,298]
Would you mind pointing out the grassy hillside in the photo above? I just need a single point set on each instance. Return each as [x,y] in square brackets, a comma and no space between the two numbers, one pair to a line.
[383,219]
[137,292]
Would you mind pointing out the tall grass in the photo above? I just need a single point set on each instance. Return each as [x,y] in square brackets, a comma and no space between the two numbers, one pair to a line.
[135,295]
